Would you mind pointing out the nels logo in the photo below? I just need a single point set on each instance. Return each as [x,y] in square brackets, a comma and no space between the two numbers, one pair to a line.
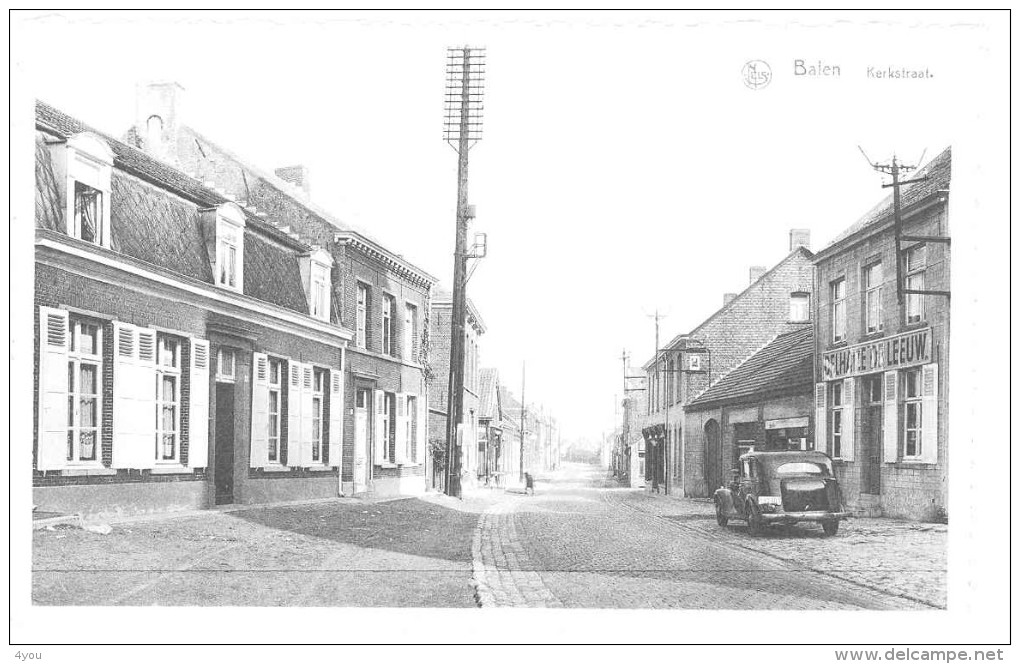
[757,74]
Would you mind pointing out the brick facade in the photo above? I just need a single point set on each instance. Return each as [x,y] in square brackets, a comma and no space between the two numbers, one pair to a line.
[743,326]
[874,478]
[441,328]
[154,271]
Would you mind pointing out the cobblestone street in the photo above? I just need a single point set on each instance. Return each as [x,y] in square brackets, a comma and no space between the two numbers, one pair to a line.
[579,542]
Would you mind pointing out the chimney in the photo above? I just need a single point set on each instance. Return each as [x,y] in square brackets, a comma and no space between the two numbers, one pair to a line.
[727,298]
[756,272]
[158,114]
[296,175]
[800,237]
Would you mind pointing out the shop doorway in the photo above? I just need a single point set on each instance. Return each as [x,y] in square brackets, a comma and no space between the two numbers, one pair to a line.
[362,438]
[713,457]
[224,444]
[871,468]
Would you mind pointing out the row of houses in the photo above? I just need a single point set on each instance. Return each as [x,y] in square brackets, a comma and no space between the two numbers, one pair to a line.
[818,352]
[206,334]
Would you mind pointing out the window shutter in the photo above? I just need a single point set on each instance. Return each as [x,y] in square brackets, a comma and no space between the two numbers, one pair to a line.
[259,411]
[401,429]
[821,430]
[849,419]
[123,397]
[294,404]
[146,347]
[336,418]
[306,417]
[378,430]
[423,422]
[198,420]
[53,416]
[930,413]
[134,398]
[890,418]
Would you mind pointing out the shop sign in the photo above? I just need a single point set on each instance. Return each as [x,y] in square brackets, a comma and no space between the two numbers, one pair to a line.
[902,350]
[787,423]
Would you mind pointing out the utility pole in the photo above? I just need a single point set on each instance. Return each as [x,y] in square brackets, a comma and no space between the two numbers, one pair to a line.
[523,420]
[462,128]
[660,390]
[895,169]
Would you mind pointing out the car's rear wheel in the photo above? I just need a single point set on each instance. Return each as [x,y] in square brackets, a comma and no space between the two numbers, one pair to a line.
[720,516]
[830,527]
[755,525]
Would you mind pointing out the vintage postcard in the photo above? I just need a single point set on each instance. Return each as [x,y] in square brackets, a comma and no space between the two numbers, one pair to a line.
[660,327]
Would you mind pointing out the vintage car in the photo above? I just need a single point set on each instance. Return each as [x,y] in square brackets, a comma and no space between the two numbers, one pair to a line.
[782,487]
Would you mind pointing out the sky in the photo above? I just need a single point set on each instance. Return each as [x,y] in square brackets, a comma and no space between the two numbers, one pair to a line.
[625,168]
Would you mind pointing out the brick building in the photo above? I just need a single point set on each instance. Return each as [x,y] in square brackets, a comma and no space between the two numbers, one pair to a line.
[490,425]
[881,367]
[765,403]
[777,300]
[518,446]
[471,462]
[372,290]
[184,356]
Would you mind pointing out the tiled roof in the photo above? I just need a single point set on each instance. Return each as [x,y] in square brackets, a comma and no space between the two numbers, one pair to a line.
[488,398]
[138,163]
[165,230]
[786,364]
[680,341]
[938,172]
[293,206]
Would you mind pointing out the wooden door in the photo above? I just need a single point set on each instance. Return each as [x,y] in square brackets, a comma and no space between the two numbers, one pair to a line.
[362,438]
[224,444]
[713,457]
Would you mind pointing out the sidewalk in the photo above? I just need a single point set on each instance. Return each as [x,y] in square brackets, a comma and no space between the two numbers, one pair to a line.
[905,558]
[334,552]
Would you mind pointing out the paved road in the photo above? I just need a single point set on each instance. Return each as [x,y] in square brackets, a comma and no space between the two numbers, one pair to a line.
[580,542]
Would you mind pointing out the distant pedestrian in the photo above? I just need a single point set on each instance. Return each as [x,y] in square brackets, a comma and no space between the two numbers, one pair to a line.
[529,484]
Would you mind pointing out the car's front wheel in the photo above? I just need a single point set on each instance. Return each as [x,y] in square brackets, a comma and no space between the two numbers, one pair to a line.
[755,525]
[720,515]
[830,527]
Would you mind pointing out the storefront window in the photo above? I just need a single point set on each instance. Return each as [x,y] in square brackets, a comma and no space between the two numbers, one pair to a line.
[912,406]
[836,418]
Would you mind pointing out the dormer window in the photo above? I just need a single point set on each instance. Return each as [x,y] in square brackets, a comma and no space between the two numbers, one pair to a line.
[89,169]
[226,245]
[315,273]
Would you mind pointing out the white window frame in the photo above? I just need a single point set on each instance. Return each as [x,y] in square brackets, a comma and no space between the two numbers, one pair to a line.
[915,401]
[389,306]
[90,163]
[837,291]
[410,330]
[318,403]
[316,273]
[320,290]
[872,297]
[230,224]
[389,415]
[361,321]
[800,307]
[221,375]
[75,359]
[275,366]
[915,260]
[837,418]
[410,440]
[171,369]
